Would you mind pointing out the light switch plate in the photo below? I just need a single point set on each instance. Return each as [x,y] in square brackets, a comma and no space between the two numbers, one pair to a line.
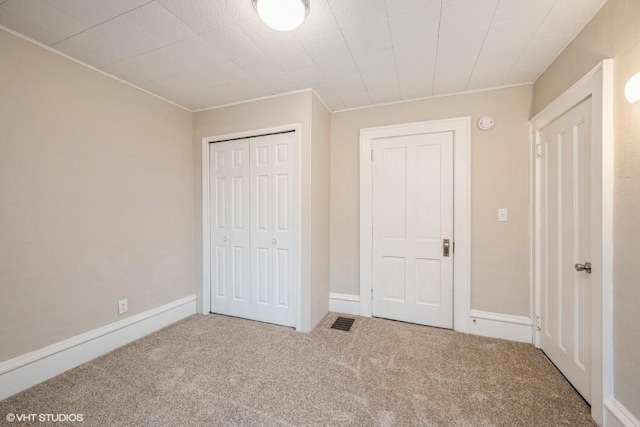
[503,214]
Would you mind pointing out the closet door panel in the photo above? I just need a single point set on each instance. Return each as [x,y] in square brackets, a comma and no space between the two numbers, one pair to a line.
[261,229]
[273,176]
[284,176]
[230,232]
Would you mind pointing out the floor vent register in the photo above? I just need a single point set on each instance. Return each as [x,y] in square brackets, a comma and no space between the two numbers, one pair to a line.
[343,324]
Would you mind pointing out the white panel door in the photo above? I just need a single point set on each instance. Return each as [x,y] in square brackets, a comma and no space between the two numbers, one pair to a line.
[273,228]
[412,217]
[230,232]
[253,213]
[565,223]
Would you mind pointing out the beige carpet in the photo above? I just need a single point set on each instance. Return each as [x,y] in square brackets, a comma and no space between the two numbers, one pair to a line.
[216,370]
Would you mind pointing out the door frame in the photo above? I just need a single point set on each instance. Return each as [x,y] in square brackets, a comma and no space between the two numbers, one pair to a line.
[303,312]
[597,84]
[461,126]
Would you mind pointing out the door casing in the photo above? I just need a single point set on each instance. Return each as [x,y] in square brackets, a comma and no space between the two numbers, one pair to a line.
[461,127]
[597,84]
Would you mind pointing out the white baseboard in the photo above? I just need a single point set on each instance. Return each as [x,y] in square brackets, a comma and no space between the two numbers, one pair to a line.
[505,326]
[617,415]
[495,325]
[32,368]
[344,303]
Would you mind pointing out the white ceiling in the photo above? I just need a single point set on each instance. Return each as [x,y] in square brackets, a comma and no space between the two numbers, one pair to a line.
[354,53]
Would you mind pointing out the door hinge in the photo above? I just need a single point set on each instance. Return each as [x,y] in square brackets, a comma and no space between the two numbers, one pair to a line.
[538,323]
[372,154]
[539,151]
[371,293]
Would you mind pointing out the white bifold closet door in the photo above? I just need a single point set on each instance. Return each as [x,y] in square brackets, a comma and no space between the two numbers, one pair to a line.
[253,228]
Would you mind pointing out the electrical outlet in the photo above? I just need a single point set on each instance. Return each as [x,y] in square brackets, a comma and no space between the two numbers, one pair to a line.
[123,306]
[503,215]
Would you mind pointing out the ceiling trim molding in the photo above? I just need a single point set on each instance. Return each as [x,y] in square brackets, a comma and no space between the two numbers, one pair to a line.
[424,98]
[91,67]
[278,95]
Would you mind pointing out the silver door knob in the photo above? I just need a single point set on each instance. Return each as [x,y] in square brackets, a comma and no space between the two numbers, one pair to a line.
[584,267]
[224,238]
[274,241]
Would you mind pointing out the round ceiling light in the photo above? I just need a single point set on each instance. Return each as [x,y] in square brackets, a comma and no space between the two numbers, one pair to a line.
[282,15]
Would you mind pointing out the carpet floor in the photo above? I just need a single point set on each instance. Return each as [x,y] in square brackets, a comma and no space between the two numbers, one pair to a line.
[217,370]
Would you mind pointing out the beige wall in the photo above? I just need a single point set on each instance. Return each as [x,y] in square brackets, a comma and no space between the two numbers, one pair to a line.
[96,191]
[626,292]
[614,33]
[610,34]
[320,212]
[499,179]
[265,113]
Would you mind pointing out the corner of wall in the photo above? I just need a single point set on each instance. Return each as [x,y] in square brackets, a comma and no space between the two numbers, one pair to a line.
[320,208]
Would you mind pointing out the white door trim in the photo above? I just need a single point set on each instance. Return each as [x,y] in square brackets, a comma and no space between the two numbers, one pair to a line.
[303,311]
[597,84]
[462,205]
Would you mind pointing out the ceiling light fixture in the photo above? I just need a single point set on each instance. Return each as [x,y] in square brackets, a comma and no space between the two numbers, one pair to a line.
[282,15]
[632,89]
